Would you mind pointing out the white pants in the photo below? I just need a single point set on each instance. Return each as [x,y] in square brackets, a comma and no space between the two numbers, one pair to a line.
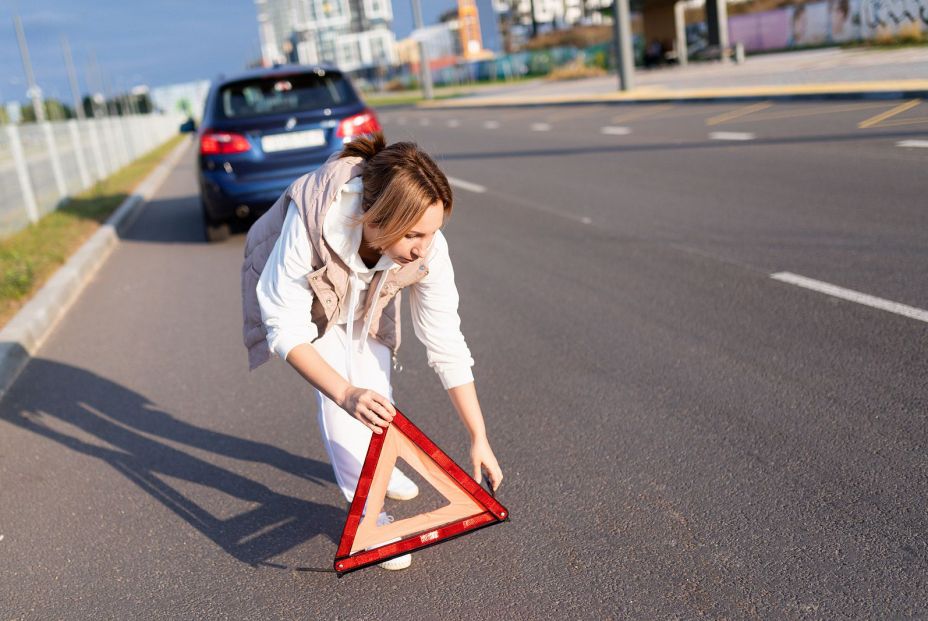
[345,437]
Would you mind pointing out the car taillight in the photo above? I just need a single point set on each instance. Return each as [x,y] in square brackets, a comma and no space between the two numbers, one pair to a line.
[222,143]
[364,123]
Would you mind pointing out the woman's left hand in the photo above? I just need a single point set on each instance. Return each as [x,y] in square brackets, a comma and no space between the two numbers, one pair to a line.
[483,459]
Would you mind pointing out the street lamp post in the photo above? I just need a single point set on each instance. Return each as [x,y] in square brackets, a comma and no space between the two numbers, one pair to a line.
[425,72]
[622,42]
[35,94]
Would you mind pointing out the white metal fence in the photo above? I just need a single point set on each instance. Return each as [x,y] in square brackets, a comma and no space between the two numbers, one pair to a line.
[43,163]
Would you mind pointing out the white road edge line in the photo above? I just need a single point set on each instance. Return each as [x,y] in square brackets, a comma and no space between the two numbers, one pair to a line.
[467,185]
[919,144]
[732,136]
[615,130]
[851,295]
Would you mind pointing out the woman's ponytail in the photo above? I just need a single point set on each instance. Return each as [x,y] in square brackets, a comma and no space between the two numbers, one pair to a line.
[366,146]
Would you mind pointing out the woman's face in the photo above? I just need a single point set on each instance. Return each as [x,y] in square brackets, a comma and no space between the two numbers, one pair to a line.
[417,240]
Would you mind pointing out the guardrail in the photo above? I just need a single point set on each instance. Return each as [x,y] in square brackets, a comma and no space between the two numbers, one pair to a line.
[42,164]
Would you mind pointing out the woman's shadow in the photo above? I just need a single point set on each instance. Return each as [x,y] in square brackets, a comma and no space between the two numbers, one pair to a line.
[131,429]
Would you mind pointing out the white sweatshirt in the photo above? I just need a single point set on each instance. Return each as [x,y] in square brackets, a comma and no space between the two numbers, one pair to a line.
[286,299]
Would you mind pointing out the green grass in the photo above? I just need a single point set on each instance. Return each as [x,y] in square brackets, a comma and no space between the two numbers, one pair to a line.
[29,257]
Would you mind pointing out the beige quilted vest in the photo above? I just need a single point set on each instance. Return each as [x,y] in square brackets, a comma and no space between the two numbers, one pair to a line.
[313,194]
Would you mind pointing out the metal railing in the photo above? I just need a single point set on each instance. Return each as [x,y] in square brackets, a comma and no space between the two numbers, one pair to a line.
[42,164]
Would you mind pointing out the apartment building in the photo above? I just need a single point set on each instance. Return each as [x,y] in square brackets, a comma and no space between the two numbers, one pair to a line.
[553,13]
[353,35]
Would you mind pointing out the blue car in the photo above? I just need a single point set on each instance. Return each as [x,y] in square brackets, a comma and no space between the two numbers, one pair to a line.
[263,129]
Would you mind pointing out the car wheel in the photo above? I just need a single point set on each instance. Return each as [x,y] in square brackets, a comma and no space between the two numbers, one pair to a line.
[215,231]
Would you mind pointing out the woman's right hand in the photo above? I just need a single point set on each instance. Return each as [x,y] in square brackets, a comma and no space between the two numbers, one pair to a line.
[374,410]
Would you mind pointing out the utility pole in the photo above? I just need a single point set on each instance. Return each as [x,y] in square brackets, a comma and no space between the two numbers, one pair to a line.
[34,92]
[72,77]
[622,42]
[425,70]
[93,72]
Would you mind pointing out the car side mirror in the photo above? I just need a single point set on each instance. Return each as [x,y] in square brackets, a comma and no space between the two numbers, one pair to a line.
[189,126]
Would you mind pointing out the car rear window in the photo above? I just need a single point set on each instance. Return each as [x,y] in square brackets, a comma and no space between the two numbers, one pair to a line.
[283,95]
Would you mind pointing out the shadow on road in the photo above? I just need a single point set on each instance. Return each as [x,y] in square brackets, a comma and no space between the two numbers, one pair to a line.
[175,220]
[94,416]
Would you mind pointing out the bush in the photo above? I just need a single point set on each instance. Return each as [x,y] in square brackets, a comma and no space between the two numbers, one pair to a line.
[579,36]
[576,71]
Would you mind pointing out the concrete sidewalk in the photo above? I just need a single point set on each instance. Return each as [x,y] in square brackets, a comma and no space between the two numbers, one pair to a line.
[816,74]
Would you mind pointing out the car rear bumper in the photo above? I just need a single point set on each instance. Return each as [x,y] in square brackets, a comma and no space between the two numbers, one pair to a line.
[223,193]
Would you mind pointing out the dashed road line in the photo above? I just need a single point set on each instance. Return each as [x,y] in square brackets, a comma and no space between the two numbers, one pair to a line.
[639,114]
[851,295]
[572,113]
[742,136]
[541,127]
[615,130]
[737,113]
[490,124]
[466,185]
[882,116]
[916,144]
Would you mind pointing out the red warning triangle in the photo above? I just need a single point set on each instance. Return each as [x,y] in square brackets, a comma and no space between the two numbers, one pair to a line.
[469,506]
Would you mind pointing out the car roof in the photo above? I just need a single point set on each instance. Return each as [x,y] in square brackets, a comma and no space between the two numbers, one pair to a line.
[275,72]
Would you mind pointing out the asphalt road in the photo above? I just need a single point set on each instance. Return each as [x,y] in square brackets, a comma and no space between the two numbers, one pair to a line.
[682,435]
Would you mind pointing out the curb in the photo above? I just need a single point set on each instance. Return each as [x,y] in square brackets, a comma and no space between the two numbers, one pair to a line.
[903,89]
[27,330]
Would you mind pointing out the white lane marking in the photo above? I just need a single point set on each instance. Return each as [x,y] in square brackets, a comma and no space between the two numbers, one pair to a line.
[490,124]
[918,144]
[541,127]
[615,130]
[732,136]
[453,123]
[467,185]
[851,295]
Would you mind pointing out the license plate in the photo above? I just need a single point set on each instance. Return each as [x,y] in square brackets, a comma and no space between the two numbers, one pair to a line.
[293,140]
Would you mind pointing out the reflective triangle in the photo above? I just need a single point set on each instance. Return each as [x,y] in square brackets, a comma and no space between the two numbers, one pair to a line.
[469,506]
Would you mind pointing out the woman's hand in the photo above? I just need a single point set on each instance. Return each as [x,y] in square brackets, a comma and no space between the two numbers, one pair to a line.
[374,410]
[483,459]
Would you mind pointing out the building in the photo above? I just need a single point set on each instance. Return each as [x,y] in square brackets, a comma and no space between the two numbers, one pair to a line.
[469,30]
[188,98]
[353,35]
[553,13]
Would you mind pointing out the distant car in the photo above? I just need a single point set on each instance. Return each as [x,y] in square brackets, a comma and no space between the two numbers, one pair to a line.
[263,129]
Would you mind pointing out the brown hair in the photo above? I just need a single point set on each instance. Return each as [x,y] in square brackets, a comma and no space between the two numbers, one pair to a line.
[400,182]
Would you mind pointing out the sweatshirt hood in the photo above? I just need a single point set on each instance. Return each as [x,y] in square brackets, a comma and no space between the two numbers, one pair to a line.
[342,228]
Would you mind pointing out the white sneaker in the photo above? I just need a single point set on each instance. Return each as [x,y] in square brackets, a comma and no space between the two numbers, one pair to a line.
[400,562]
[401,487]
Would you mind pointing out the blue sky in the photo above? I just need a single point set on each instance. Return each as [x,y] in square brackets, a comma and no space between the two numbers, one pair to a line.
[153,42]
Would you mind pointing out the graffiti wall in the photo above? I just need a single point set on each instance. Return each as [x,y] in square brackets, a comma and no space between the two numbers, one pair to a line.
[828,21]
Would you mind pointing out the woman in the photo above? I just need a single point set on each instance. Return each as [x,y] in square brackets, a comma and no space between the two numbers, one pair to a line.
[321,280]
